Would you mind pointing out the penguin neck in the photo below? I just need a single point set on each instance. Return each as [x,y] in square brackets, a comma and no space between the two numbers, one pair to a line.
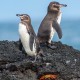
[25,22]
[53,15]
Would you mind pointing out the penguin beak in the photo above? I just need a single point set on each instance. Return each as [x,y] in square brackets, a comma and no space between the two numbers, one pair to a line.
[62,5]
[18,15]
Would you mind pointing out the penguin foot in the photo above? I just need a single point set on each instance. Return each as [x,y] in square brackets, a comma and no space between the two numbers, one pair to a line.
[33,61]
[52,43]
[36,57]
[51,46]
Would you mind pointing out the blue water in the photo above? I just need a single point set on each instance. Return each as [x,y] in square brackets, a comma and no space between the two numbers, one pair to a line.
[70,29]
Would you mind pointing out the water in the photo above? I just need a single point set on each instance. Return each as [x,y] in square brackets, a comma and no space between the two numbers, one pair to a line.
[71,33]
[8,31]
[70,28]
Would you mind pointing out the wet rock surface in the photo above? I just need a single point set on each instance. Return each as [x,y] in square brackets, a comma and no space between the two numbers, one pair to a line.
[15,65]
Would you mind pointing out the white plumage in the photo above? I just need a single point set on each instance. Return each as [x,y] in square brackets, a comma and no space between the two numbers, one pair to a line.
[59,18]
[25,38]
[52,33]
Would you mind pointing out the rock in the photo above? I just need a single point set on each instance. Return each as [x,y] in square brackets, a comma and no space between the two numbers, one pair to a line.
[9,52]
[15,65]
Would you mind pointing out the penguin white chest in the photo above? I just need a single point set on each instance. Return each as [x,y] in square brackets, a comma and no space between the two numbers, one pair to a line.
[52,33]
[59,18]
[25,38]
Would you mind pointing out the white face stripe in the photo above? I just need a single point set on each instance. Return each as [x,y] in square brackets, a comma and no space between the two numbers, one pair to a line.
[24,36]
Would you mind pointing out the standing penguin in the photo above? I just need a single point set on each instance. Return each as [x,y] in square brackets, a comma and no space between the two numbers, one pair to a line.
[27,36]
[50,24]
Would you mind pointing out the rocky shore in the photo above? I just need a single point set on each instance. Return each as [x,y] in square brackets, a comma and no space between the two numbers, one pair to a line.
[15,65]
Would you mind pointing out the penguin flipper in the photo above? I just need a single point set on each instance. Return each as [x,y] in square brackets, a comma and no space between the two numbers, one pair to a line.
[20,45]
[56,26]
[31,41]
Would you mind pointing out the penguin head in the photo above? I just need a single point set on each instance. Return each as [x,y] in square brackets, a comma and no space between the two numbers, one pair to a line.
[24,17]
[55,6]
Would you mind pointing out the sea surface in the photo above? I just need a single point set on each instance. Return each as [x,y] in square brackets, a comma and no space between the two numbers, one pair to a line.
[70,29]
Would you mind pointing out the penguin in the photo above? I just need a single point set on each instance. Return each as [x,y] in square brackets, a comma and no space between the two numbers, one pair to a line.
[27,36]
[50,24]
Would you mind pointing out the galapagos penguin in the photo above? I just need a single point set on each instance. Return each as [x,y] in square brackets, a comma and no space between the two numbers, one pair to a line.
[50,24]
[27,36]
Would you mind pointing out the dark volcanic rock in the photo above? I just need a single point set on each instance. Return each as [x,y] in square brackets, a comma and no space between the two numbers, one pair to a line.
[15,65]
[9,52]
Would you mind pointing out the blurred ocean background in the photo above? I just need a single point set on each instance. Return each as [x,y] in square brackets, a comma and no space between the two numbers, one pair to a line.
[70,22]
